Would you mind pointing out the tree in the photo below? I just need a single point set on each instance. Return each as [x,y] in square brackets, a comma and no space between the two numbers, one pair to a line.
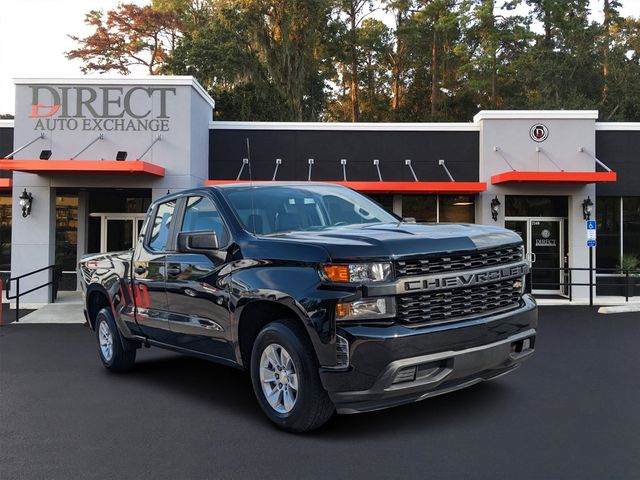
[287,36]
[402,10]
[130,35]
[353,12]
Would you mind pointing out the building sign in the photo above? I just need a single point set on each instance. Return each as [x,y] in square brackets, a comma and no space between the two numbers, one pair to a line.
[539,132]
[101,108]
[546,240]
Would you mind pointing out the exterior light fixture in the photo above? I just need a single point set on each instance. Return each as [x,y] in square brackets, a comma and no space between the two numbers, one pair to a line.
[587,207]
[121,156]
[45,154]
[495,208]
[25,203]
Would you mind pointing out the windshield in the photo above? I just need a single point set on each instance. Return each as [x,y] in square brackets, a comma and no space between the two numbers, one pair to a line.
[273,209]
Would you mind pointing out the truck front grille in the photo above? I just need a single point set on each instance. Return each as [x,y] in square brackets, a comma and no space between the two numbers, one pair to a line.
[458,303]
[458,261]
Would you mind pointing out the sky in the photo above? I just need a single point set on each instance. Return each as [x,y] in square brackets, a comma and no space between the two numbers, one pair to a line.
[34,37]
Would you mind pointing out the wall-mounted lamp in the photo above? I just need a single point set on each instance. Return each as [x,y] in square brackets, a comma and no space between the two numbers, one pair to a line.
[587,207]
[121,156]
[495,208]
[45,154]
[25,203]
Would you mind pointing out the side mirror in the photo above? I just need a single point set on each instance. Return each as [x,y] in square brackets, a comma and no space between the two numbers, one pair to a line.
[197,242]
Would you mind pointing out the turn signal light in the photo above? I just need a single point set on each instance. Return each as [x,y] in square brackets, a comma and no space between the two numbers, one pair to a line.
[336,273]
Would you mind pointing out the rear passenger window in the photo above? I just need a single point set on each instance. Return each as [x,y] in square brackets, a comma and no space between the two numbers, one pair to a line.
[159,238]
[201,215]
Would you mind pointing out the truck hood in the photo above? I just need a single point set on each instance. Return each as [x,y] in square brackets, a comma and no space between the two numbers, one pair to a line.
[392,241]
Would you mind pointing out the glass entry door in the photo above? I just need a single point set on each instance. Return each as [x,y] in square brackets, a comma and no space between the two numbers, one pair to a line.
[119,231]
[546,248]
[544,244]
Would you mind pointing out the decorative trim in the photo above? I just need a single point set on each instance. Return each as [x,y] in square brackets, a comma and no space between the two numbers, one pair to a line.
[384,187]
[52,167]
[5,184]
[365,126]
[168,80]
[553,177]
[608,126]
[535,114]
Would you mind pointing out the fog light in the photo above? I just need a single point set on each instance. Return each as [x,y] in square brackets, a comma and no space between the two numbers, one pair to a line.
[342,352]
[407,374]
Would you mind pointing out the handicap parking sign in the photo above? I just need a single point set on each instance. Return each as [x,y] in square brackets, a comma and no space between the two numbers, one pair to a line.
[591,233]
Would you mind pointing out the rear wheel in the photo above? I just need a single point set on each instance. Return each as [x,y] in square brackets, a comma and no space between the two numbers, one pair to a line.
[114,357]
[284,373]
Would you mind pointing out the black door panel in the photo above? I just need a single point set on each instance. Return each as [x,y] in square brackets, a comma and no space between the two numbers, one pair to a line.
[197,295]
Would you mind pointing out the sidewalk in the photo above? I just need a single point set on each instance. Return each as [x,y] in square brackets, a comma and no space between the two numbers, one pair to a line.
[597,301]
[67,309]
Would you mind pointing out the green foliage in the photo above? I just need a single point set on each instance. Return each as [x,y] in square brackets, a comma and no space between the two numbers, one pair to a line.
[629,263]
[336,60]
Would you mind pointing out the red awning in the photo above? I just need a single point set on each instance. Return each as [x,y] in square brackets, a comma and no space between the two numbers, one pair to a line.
[5,183]
[553,177]
[390,187]
[79,167]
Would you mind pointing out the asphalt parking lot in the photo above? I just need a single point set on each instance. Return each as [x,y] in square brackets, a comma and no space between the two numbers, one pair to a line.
[570,412]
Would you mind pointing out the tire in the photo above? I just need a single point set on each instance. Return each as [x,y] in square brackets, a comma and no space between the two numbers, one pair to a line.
[311,406]
[115,358]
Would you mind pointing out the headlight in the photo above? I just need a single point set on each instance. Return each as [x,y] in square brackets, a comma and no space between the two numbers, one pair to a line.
[358,272]
[366,309]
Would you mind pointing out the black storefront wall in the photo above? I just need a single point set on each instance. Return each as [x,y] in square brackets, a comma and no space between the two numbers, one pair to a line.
[620,151]
[6,147]
[459,149]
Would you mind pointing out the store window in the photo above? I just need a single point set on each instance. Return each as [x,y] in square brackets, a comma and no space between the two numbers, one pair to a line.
[536,206]
[424,208]
[457,209]
[631,226]
[5,234]
[608,217]
[67,239]
[384,200]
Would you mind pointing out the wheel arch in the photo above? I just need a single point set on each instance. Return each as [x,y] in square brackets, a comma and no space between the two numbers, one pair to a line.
[97,299]
[255,316]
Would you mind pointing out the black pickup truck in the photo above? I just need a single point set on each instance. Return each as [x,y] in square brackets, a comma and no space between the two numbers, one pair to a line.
[329,301]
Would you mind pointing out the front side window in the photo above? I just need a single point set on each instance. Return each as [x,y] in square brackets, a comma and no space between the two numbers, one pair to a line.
[201,215]
[159,238]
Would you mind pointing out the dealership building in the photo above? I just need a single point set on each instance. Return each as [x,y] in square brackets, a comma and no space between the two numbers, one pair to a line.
[84,157]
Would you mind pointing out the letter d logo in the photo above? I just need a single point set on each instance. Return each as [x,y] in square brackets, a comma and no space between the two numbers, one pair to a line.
[36,107]
[35,110]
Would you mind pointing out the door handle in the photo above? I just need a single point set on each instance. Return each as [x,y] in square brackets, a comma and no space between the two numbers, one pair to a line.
[174,271]
[140,270]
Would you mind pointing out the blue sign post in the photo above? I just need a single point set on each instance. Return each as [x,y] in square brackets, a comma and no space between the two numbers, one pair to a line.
[591,242]
[591,233]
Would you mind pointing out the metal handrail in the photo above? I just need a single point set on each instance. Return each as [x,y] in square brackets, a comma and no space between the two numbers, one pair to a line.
[566,279]
[55,279]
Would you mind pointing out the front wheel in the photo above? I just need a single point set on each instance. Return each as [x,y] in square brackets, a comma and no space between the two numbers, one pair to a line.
[285,378]
[114,357]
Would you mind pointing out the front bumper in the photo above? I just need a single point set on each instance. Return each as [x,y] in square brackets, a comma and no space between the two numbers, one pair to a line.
[445,358]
